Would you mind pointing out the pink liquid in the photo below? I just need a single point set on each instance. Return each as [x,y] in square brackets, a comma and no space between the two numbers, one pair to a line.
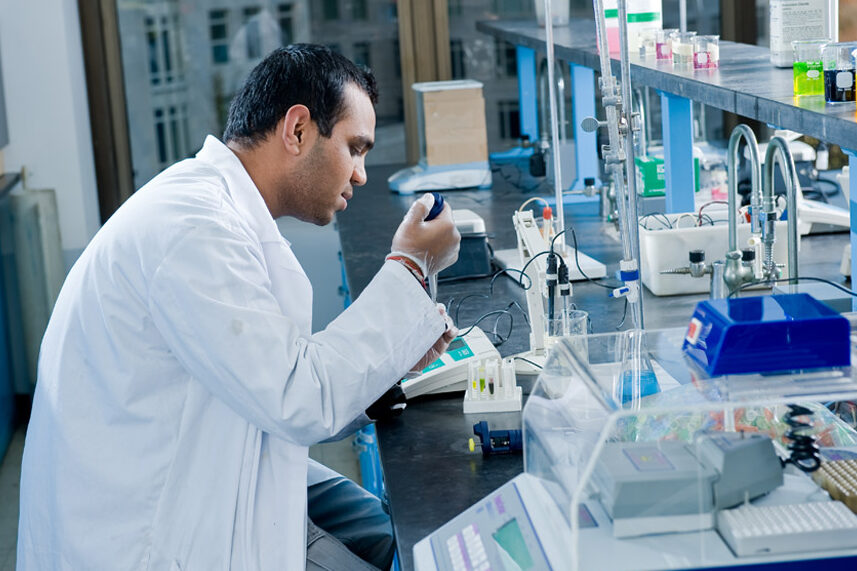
[702,60]
[663,51]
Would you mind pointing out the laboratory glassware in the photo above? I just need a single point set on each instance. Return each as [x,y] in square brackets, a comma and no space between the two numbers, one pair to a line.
[838,64]
[682,47]
[808,69]
[706,52]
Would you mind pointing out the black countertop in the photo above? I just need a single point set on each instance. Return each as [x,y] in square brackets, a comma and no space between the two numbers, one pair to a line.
[746,82]
[430,474]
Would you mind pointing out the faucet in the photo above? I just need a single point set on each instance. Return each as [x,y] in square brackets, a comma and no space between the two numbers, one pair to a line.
[735,272]
[778,153]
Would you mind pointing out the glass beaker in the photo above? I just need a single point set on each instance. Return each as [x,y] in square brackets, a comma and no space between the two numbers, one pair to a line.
[663,43]
[706,52]
[807,67]
[648,43]
[682,47]
[573,323]
[838,64]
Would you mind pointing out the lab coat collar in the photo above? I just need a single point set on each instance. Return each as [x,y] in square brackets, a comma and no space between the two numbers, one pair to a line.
[244,192]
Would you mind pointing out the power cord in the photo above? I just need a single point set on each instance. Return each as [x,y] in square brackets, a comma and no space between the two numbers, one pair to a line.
[781,280]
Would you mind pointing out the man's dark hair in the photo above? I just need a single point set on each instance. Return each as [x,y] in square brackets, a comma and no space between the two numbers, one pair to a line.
[299,74]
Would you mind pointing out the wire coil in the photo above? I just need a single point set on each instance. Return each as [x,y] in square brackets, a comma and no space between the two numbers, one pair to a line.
[804,453]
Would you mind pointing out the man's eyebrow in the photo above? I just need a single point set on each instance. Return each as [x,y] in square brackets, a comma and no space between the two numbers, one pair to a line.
[363,143]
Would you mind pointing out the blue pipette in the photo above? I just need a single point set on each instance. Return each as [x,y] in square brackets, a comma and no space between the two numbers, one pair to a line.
[436,209]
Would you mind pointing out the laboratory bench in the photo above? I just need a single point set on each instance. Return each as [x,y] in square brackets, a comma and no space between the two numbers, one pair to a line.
[430,473]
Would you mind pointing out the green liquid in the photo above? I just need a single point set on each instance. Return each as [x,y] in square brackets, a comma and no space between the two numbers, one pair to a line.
[808,78]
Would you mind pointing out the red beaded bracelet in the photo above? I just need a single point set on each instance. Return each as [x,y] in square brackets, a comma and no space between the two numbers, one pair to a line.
[411,266]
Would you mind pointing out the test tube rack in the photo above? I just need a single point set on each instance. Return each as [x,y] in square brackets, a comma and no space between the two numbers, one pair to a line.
[839,478]
[492,387]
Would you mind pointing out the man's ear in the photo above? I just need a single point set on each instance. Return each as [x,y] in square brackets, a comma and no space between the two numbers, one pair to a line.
[295,127]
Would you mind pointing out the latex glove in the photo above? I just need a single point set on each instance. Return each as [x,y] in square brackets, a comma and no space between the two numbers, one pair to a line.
[390,405]
[439,347]
[433,245]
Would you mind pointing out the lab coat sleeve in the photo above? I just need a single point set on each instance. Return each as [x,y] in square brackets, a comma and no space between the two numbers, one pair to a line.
[211,299]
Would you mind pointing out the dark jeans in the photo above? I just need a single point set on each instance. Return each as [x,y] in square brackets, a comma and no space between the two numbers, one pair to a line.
[348,528]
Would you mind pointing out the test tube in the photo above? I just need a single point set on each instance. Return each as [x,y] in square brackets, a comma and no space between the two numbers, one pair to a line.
[509,380]
[663,43]
[838,64]
[473,380]
[682,47]
[491,377]
[706,52]
[807,68]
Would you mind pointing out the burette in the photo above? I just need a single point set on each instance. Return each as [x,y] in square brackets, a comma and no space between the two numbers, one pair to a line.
[619,155]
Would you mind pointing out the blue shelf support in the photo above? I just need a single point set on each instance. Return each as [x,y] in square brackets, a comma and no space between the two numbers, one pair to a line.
[527,105]
[677,121]
[586,161]
[852,207]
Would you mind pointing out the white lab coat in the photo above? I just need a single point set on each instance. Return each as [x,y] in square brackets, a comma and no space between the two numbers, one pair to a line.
[180,385]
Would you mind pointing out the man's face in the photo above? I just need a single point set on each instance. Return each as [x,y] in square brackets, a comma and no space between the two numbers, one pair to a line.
[324,182]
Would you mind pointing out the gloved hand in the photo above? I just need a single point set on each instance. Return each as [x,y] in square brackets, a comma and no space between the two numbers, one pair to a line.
[388,405]
[433,245]
[439,347]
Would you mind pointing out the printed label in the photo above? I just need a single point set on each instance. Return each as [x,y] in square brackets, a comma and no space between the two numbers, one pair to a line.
[844,80]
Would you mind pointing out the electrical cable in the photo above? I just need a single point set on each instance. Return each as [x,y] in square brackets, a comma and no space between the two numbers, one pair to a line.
[579,269]
[805,454]
[804,278]
[624,315]
[533,363]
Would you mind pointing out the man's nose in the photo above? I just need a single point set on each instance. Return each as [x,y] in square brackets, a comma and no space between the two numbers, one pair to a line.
[358,177]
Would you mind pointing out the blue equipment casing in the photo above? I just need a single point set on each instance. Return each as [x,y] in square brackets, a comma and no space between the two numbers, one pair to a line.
[767,333]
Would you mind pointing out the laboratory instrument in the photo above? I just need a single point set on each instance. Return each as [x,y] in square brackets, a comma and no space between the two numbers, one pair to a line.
[492,386]
[621,127]
[453,139]
[706,52]
[838,64]
[682,48]
[697,475]
[532,246]
[792,20]
[474,254]
[807,68]
[436,209]
[449,372]
[642,15]
[498,441]
[663,44]
[767,333]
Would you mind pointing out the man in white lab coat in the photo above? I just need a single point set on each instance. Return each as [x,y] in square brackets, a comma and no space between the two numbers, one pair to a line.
[179,383]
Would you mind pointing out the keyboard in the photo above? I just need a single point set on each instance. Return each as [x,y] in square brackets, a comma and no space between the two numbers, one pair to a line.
[762,530]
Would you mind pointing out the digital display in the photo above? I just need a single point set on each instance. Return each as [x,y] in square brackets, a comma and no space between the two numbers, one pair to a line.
[456,344]
[511,540]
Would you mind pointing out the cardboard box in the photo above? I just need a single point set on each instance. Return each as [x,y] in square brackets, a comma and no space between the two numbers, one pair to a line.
[451,117]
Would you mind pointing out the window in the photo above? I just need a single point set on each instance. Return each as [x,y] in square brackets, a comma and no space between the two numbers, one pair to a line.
[171,134]
[285,18]
[218,33]
[330,9]
[510,119]
[506,59]
[162,45]
[456,48]
[359,10]
[361,54]
[251,27]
